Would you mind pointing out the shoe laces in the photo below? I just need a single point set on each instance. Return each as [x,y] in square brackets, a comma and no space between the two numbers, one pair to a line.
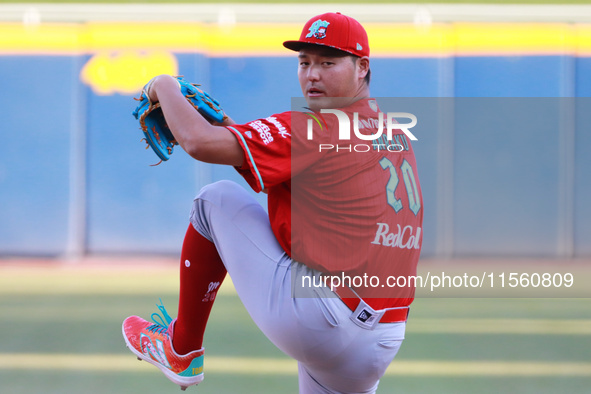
[161,323]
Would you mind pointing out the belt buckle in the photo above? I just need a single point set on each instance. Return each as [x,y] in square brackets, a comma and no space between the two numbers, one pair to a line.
[365,316]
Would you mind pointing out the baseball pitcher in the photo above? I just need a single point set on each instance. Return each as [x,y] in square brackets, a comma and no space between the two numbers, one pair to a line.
[345,214]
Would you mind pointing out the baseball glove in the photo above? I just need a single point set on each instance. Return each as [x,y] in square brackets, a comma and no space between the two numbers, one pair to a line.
[152,122]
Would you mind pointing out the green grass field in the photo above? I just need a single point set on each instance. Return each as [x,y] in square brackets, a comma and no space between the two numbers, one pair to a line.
[61,333]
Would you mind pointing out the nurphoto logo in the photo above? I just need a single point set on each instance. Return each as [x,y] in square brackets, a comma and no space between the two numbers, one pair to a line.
[380,141]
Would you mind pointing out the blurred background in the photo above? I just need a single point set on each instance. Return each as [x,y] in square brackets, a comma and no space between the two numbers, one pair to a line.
[90,231]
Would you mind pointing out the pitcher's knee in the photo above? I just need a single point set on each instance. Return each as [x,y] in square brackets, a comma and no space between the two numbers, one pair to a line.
[218,191]
[210,196]
[224,196]
[219,201]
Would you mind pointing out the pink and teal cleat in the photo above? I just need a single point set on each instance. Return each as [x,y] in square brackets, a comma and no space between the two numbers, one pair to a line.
[152,342]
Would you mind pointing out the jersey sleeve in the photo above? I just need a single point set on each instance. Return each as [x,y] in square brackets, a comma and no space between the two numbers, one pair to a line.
[270,146]
[266,144]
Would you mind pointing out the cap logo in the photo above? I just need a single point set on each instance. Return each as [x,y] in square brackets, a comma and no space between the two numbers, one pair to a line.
[359,47]
[318,29]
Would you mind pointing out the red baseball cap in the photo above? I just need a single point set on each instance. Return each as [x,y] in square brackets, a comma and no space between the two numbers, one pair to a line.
[333,30]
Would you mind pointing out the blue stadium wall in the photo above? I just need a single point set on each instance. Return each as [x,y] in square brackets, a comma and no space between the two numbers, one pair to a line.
[75,177]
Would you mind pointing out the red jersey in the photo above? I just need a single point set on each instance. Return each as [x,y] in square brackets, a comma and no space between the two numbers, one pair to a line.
[340,206]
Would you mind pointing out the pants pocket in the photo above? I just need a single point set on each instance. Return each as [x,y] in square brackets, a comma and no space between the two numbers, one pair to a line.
[326,309]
